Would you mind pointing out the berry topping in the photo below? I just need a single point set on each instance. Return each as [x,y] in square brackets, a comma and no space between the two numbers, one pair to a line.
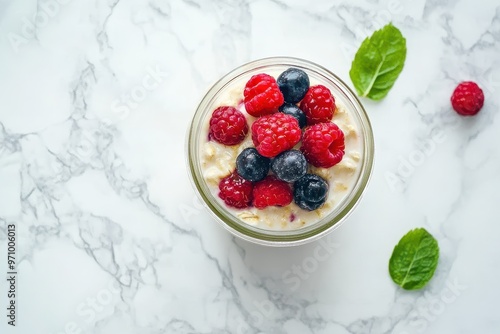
[318,105]
[251,165]
[228,126]
[271,192]
[310,192]
[289,166]
[323,144]
[262,95]
[467,99]
[294,84]
[292,110]
[273,134]
[236,191]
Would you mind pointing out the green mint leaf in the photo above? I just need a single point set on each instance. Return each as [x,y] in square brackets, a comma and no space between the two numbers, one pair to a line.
[378,62]
[414,259]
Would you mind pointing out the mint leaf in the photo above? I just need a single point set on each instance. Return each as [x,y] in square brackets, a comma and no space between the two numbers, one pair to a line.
[414,259]
[378,62]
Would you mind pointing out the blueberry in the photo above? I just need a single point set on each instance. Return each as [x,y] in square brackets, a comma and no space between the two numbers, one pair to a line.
[252,166]
[294,84]
[310,192]
[289,166]
[292,110]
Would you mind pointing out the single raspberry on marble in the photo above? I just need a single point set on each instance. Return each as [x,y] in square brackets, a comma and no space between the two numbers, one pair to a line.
[467,99]
[262,95]
[271,192]
[318,104]
[228,126]
[236,191]
[273,134]
[323,145]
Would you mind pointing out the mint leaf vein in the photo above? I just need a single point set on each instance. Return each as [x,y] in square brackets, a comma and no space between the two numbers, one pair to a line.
[378,62]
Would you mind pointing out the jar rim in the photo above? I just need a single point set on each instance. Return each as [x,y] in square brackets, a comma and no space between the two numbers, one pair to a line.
[276,237]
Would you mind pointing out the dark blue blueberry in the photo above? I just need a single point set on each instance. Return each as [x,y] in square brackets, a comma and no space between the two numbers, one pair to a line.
[289,166]
[252,166]
[292,110]
[294,84]
[310,192]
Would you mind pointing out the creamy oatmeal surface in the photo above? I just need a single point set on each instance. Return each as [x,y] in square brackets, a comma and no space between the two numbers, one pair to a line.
[218,161]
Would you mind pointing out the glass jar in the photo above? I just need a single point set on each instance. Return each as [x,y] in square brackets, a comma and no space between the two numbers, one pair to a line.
[220,212]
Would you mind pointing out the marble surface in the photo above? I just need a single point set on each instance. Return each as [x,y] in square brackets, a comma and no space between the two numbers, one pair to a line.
[96,98]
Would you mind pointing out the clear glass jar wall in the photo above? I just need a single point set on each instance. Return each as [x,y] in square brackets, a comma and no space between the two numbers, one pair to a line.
[343,95]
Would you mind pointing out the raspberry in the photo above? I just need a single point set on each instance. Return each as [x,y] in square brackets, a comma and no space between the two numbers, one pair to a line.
[228,126]
[467,99]
[262,95]
[323,145]
[236,191]
[273,134]
[271,192]
[318,105]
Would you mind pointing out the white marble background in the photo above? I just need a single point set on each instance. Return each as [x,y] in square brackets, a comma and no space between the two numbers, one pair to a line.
[95,99]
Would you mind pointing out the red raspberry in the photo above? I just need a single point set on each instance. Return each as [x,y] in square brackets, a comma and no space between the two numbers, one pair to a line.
[228,126]
[318,105]
[273,134]
[323,145]
[262,95]
[236,191]
[271,192]
[467,99]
